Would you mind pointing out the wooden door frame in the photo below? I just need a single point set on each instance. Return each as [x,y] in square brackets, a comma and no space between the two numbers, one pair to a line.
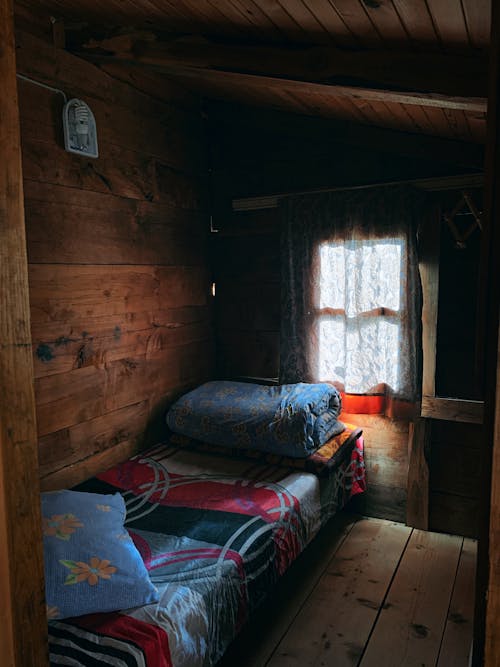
[23,624]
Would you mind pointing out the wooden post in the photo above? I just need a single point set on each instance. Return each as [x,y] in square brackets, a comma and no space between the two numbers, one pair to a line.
[428,265]
[23,628]
[417,506]
[492,645]
[486,629]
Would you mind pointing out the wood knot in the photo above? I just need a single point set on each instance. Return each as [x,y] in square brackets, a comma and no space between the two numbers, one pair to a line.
[419,631]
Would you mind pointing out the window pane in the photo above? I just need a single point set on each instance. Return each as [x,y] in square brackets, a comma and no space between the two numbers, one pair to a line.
[332,273]
[332,349]
[372,354]
[360,353]
[361,275]
[360,350]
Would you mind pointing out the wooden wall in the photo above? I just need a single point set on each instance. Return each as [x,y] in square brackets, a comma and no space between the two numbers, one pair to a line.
[118,263]
[246,266]
[454,482]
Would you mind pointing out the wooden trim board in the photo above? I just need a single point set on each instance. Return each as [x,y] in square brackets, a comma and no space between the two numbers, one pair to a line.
[452,409]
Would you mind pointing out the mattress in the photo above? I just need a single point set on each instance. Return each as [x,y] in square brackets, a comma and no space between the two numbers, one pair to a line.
[215,532]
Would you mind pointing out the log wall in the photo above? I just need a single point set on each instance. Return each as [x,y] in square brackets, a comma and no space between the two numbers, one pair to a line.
[118,263]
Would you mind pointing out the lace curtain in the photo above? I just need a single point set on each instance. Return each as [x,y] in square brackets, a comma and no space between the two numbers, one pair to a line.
[351,300]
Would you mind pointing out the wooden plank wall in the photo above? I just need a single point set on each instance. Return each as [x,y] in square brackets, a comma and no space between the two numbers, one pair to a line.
[118,261]
[245,257]
[454,484]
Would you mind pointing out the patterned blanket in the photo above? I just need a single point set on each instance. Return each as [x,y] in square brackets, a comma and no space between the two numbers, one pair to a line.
[289,420]
[215,534]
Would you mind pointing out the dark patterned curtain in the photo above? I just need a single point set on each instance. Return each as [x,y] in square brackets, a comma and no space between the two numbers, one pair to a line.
[351,298]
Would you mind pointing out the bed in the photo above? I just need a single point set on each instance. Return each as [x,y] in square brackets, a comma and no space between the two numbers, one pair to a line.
[216,527]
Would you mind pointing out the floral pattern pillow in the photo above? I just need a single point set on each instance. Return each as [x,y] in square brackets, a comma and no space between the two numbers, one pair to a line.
[91,563]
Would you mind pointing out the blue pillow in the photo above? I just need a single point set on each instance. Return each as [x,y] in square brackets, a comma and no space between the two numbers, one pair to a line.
[91,562]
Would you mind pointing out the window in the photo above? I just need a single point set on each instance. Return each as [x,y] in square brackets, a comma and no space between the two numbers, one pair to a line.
[358,313]
[351,297]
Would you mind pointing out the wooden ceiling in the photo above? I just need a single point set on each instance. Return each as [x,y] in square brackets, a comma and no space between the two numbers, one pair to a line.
[414,65]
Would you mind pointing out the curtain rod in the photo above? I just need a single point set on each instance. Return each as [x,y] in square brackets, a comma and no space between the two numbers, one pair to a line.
[436,183]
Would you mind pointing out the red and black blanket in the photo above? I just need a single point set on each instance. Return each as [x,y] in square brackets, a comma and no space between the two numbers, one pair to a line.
[215,531]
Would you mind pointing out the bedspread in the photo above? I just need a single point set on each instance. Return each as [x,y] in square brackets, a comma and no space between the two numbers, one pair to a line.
[215,534]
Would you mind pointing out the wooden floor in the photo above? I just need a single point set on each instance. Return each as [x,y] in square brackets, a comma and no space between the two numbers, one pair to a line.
[367,592]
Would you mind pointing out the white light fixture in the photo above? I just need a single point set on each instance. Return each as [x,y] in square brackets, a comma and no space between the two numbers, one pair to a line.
[80,134]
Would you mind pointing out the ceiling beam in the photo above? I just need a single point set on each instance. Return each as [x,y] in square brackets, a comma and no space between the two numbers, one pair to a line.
[435,80]
[201,79]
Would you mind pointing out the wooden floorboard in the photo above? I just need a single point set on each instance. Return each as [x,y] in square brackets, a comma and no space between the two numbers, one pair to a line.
[367,593]
[411,624]
[456,644]
[338,616]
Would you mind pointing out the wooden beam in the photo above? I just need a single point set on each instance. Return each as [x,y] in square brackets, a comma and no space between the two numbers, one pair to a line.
[489,544]
[452,409]
[23,626]
[199,73]
[202,78]
[447,74]
[428,265]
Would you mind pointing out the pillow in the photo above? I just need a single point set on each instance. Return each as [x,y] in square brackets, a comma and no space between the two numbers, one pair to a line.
[91,563]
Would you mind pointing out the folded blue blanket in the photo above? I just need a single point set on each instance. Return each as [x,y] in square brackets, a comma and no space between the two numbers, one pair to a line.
[290,420]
